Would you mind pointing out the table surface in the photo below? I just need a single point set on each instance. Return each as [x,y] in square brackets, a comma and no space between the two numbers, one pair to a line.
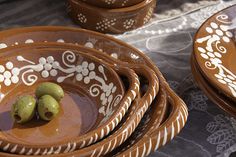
[209,131]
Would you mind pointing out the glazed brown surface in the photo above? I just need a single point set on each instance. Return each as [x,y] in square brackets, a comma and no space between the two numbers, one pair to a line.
[109,45]
[78,114]
[79,110]
[215,52]
[218,98]
[113,5]
[111,20]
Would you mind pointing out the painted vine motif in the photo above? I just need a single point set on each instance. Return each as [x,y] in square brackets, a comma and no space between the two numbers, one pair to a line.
[218,34]
[49,67]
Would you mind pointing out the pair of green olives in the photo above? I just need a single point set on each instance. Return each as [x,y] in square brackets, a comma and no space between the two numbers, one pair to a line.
[48,94]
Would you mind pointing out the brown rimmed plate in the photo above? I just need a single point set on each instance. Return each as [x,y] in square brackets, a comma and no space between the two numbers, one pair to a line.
[215,51]
[218,98]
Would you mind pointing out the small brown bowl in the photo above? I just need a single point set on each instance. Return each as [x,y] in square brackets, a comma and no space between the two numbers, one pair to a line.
[86,112]
[112,4]
[111,20]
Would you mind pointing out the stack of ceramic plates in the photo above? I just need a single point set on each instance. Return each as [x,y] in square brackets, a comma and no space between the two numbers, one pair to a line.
[213,60]
[111,16]
[116,102]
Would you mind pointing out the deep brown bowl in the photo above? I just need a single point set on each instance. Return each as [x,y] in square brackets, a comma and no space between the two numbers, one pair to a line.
[112,4]
[111,20]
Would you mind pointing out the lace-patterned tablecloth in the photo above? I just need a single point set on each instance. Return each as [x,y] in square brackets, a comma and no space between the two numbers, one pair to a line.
[167,40]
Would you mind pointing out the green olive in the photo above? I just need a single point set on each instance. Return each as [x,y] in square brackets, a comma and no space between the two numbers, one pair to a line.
[23,109]
[48,107]
[48,88]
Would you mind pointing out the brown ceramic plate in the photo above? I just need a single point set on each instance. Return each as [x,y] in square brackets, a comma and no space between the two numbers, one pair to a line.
[109,45]
[111,20]
[221,100]
[112,4]
[84,78]
[215,51]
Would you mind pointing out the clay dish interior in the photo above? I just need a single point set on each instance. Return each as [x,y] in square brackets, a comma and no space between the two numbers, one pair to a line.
[112,4]
[110,46]
[215,51]
[143,126]
[152,138]
[134,119]
[218,98]
[111,20]
[83,108]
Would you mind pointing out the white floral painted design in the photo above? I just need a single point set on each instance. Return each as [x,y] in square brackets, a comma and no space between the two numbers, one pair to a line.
[223,131]
[128,23]
[3,45]
[49,67]
[214,50]
[90,43]
[82,18]
[105,24]
[8,74]
[148,16]
[110,1]
[124,2]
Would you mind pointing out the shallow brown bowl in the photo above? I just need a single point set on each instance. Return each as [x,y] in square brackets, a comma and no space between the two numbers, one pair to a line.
[111,20]
[112,4]
[147,137]
[124,132]
[95,101]
[118,50]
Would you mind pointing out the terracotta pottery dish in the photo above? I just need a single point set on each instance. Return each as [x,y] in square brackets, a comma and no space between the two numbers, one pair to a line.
[85,113]
[106,44]
[112,4]
[215,51]
[152,136]
[155,137]
[219,99]
[128,126]
[99,148]
[147,99]
[111,20]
